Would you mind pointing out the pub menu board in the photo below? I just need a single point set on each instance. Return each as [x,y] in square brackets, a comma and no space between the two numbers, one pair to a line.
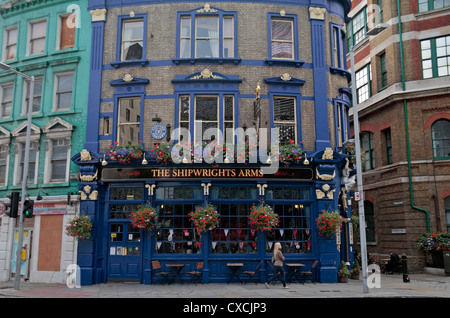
[117,174]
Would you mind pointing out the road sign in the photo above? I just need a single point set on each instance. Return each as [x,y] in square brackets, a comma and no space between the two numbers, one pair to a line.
[357,197]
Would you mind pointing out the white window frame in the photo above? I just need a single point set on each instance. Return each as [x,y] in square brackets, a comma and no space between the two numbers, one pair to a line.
[20,136]
[59,30]
[285,122]
[55,107]
[2,87]
[4,142]
[30,39]
[63,132]
[26,95]
[5,44]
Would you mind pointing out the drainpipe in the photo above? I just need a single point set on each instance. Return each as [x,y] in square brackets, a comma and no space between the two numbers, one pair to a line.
[406,122]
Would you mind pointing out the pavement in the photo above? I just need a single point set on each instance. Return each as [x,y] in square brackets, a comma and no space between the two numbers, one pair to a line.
[383,286]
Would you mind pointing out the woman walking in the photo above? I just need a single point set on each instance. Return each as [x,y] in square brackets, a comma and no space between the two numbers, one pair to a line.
[278,263]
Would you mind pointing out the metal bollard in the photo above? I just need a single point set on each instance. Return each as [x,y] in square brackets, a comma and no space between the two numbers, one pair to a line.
[405,269]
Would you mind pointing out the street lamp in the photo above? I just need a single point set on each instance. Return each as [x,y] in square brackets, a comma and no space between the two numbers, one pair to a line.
[26,164]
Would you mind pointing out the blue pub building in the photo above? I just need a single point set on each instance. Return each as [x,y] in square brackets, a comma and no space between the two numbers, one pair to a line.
[161,67]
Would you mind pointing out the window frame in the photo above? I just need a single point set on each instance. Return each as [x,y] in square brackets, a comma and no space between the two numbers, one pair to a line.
[2,102]
[289,123]
[6,45]
[118,121]
[367,82]
[119,62]
[433,140]
[351,32]
[56,77]
[59,33]
[338,47]
[433,57]
[26,95]
[30,39]
[429,4]
[194,15]
[369,153]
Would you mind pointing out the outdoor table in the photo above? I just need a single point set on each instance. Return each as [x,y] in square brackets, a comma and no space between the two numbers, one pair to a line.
[294,272]
[175,269]
[235,267]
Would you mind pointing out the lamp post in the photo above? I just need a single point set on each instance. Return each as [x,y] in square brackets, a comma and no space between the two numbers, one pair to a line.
[25,170]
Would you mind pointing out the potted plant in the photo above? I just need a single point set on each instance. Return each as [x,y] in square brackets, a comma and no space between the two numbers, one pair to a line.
[205,218]
[343,273]
[79,227]
[356,270]
[262,217]
[351,151]
[145,217]
[329,222]
[124,154]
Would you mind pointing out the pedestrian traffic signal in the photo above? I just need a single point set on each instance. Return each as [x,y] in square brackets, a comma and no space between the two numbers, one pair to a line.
[12,207]
[28,206]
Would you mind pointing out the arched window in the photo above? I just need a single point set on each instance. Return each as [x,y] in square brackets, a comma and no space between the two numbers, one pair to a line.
[440,135]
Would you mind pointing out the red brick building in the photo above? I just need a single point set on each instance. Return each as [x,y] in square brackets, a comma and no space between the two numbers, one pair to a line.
[403,94]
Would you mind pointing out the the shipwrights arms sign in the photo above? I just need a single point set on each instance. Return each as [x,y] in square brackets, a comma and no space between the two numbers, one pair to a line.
[116,174]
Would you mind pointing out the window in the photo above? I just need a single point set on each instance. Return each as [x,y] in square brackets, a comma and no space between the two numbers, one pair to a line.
[284,110]
[132,47]
[33,162]
[233,235]
[383,73]
[63,93]
[282,39]
[67,32]
[4,155]
[206,35]
[129,121]
[381,11]
[294,230]
[428,5]
[58,161]
[10,40]
[342,123]
[175,230]
[357,28]
[367,146]
[206,116]
[435,57]
[37,96]
[388,144]
[363,83]
[338,47]
[447,212]
[7,92]
[440,135]
[37,34]
[370,221]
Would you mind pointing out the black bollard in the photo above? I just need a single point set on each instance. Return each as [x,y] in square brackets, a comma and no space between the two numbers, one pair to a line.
[405,269]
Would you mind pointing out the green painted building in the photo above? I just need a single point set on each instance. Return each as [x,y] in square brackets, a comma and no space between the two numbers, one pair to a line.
[50,40]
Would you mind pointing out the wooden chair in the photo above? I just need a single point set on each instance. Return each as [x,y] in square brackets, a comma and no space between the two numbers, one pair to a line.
[251,275]
[157,272]
[196,275]
[309,275]
[276,276]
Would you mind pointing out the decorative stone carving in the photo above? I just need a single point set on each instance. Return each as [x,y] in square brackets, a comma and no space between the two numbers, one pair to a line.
[98,15]
[317,13]
[85,155]
[327,154]
[206,74]
[206,9]
[324,176]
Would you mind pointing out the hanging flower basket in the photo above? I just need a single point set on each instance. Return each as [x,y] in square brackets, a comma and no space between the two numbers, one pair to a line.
[429,242]
[124,154]
[145,217]
[205,218]
[262,217]
[79,227]
[329,222]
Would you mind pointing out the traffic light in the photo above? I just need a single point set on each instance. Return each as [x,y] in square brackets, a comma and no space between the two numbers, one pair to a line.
[28,206]
[12,207]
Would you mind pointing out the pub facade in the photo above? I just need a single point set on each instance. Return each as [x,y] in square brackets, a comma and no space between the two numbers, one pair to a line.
[255,98]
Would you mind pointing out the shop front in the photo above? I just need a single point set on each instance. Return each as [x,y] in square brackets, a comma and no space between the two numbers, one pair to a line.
[120,251]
